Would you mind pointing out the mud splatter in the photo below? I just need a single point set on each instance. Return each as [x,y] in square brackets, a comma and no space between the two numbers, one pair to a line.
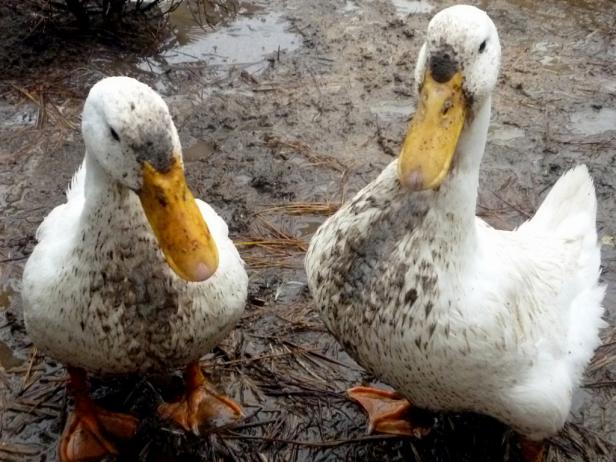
[312,125]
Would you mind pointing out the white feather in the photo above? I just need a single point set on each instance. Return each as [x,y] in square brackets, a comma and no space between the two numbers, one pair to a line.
[97,290]
[451,312]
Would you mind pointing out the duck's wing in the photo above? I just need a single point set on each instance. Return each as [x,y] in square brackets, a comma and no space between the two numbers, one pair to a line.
[538,286]
[547,272]
[56,238]
[61,222]
[569,210]
[568,216]
[219,229]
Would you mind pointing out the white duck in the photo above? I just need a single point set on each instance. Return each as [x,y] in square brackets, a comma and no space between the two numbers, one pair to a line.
[131,274]
[456,315]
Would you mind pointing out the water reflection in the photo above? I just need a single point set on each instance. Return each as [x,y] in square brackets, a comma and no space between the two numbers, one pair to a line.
[406,7]
[593,121]
[246,42]
[5,298]
[7,359]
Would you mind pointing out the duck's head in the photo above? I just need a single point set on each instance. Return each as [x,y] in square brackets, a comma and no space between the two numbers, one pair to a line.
[128,130]
[456,71]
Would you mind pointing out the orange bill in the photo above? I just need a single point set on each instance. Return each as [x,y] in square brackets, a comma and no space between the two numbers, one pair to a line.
[432,137]
[178,225]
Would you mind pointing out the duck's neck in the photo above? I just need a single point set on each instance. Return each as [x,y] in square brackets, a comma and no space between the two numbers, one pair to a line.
[445,215]
[107,200]
[101,188]
[457,195]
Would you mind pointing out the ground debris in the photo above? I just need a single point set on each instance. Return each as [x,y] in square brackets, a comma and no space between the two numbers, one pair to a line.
[291,142]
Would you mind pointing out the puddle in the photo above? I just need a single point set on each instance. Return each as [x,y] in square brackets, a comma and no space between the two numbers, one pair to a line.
[393,110]
[609,86]
[13,117]
[350,7]
[5,298]
[7,359]
[199,151]
[289,291]
[246,42]
[587,13]
[554,63]
[608,240]
[549,56]
[503,135]
[544,47]
[406,7]
[593,122]
[308,226]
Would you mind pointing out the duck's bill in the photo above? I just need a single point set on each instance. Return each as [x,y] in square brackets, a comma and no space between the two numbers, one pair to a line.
[177,223]
[430,144]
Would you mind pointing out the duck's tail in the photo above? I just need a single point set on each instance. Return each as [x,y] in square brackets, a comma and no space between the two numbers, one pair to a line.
[569,213]
[570,208]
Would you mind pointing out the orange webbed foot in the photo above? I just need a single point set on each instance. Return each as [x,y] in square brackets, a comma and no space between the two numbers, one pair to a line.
[388,412]
[532,451]
[88,429]
[85,436]
[201,405]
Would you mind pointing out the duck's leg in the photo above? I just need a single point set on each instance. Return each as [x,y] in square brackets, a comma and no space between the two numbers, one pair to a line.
[388,412]
[532,451]
[85,435]
[201,405]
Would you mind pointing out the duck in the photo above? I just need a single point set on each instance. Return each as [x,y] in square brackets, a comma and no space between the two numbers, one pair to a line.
[452,313]
[132,274]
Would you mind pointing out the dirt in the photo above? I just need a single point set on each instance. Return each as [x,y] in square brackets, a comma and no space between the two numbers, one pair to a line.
[270,134]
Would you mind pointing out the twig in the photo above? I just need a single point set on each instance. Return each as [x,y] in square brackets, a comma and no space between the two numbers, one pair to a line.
[315,444]
[303,208]
[513,206]
[256,358]
[603,384]
[21,450]
[29,370]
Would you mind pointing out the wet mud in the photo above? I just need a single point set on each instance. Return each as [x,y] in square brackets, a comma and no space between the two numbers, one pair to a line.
[284,111]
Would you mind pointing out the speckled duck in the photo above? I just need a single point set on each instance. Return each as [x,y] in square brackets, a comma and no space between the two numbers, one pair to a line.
[452,313]
[131,275]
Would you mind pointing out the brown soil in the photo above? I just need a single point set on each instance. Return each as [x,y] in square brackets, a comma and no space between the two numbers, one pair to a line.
[274,152]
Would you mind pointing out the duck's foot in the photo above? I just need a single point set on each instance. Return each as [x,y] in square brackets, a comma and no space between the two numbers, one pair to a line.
[88,428]
[201,405]
[532,451]
[388,412]
[85,435]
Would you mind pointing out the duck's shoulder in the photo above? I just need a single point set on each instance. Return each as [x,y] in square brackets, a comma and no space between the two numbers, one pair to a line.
[61,222]
[377,219]
[232,268]
[57,236]
[217,225]
[369,246]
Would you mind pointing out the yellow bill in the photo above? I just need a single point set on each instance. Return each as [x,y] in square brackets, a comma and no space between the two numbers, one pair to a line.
[429,146]
[177,223]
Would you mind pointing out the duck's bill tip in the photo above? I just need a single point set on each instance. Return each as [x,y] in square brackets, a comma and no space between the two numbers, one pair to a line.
[177,223]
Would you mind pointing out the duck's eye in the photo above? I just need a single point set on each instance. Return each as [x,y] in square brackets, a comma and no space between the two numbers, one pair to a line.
[114,134]
[482,47]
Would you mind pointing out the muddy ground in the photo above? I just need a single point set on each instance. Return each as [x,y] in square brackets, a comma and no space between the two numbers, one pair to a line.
[285,111]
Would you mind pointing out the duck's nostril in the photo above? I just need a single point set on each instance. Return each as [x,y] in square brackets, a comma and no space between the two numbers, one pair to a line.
[442,66]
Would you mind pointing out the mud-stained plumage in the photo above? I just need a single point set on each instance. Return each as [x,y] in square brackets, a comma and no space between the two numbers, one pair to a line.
[132,275]
[454,314]
[97,291]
